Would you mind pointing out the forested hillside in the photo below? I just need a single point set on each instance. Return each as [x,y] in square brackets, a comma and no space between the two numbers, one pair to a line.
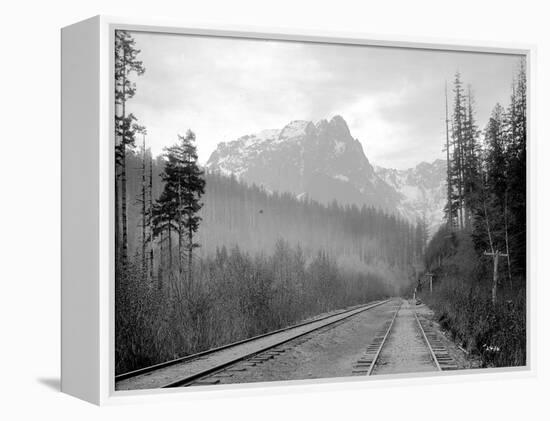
[236,213]
[479,257]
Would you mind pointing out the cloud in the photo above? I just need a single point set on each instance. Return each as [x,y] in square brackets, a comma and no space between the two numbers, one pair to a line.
[223,88]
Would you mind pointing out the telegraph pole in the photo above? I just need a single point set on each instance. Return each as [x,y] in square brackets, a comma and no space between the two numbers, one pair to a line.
[495,254]
[430,275]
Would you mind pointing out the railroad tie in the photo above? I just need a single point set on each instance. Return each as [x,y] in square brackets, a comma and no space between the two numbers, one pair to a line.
[440,351]
[236,369]
[206,382]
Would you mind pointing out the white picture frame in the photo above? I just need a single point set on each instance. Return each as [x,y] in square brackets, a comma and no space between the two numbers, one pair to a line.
[88,197]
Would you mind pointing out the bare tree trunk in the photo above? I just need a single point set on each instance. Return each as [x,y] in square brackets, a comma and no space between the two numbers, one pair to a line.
[124,251]
[143,213]
[124,216]
[495,255]
[150,215]
[506,238]
[180,234]
[466,217]
[170,247]
[162,262]
[487,225]
[460,192]
[117,218]
[190,259]
[495,278]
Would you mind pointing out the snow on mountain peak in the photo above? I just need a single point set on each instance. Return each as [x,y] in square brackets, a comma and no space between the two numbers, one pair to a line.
[294,129]
[268,135]
[339,147]
[324,162]
[422,189]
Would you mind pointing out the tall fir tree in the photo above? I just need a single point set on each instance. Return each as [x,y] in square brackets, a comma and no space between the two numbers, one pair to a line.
[463,163]
[494,184]
[177,209]
[448,210]
[471,164]
[517,177]
[126,128]
[421,236]
[457,157]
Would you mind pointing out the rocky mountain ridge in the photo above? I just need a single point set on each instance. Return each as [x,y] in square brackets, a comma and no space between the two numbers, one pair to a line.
[324,162]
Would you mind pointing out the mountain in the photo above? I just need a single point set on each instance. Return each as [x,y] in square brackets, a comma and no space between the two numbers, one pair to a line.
[321,161]
[422,190]
[324,162]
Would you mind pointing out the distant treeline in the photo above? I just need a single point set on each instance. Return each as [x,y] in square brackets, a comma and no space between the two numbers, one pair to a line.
[479,257]
[235,213]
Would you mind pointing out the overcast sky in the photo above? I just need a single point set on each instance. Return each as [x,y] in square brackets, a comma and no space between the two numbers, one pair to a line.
[392,98]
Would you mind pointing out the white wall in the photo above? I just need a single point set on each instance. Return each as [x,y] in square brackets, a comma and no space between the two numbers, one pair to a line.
[30,162]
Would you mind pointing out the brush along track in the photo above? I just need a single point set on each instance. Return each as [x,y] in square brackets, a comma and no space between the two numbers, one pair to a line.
[406,344]
[188,370]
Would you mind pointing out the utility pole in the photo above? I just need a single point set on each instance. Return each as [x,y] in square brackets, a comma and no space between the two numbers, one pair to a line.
[430,275]
[495,254]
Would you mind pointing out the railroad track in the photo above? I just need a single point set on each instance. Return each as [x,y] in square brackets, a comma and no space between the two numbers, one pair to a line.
[365,365]
[438,354]
[191,369]
[438,351]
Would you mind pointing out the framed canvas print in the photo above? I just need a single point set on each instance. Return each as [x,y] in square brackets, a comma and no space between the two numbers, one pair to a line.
[247,209]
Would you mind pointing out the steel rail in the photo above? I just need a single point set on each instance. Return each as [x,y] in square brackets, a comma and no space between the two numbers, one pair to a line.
[353,312]
[432,353]
[371,367]
[188,358]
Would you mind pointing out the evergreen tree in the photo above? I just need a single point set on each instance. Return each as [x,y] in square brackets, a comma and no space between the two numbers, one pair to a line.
[464,164]
[491,207]
[501,211]
[457,156]
[177,209]
[471,164]
[126,128]
[517,170]
[421,236]
[448,209]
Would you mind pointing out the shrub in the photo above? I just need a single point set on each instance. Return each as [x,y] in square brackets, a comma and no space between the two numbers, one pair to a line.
[496,333]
